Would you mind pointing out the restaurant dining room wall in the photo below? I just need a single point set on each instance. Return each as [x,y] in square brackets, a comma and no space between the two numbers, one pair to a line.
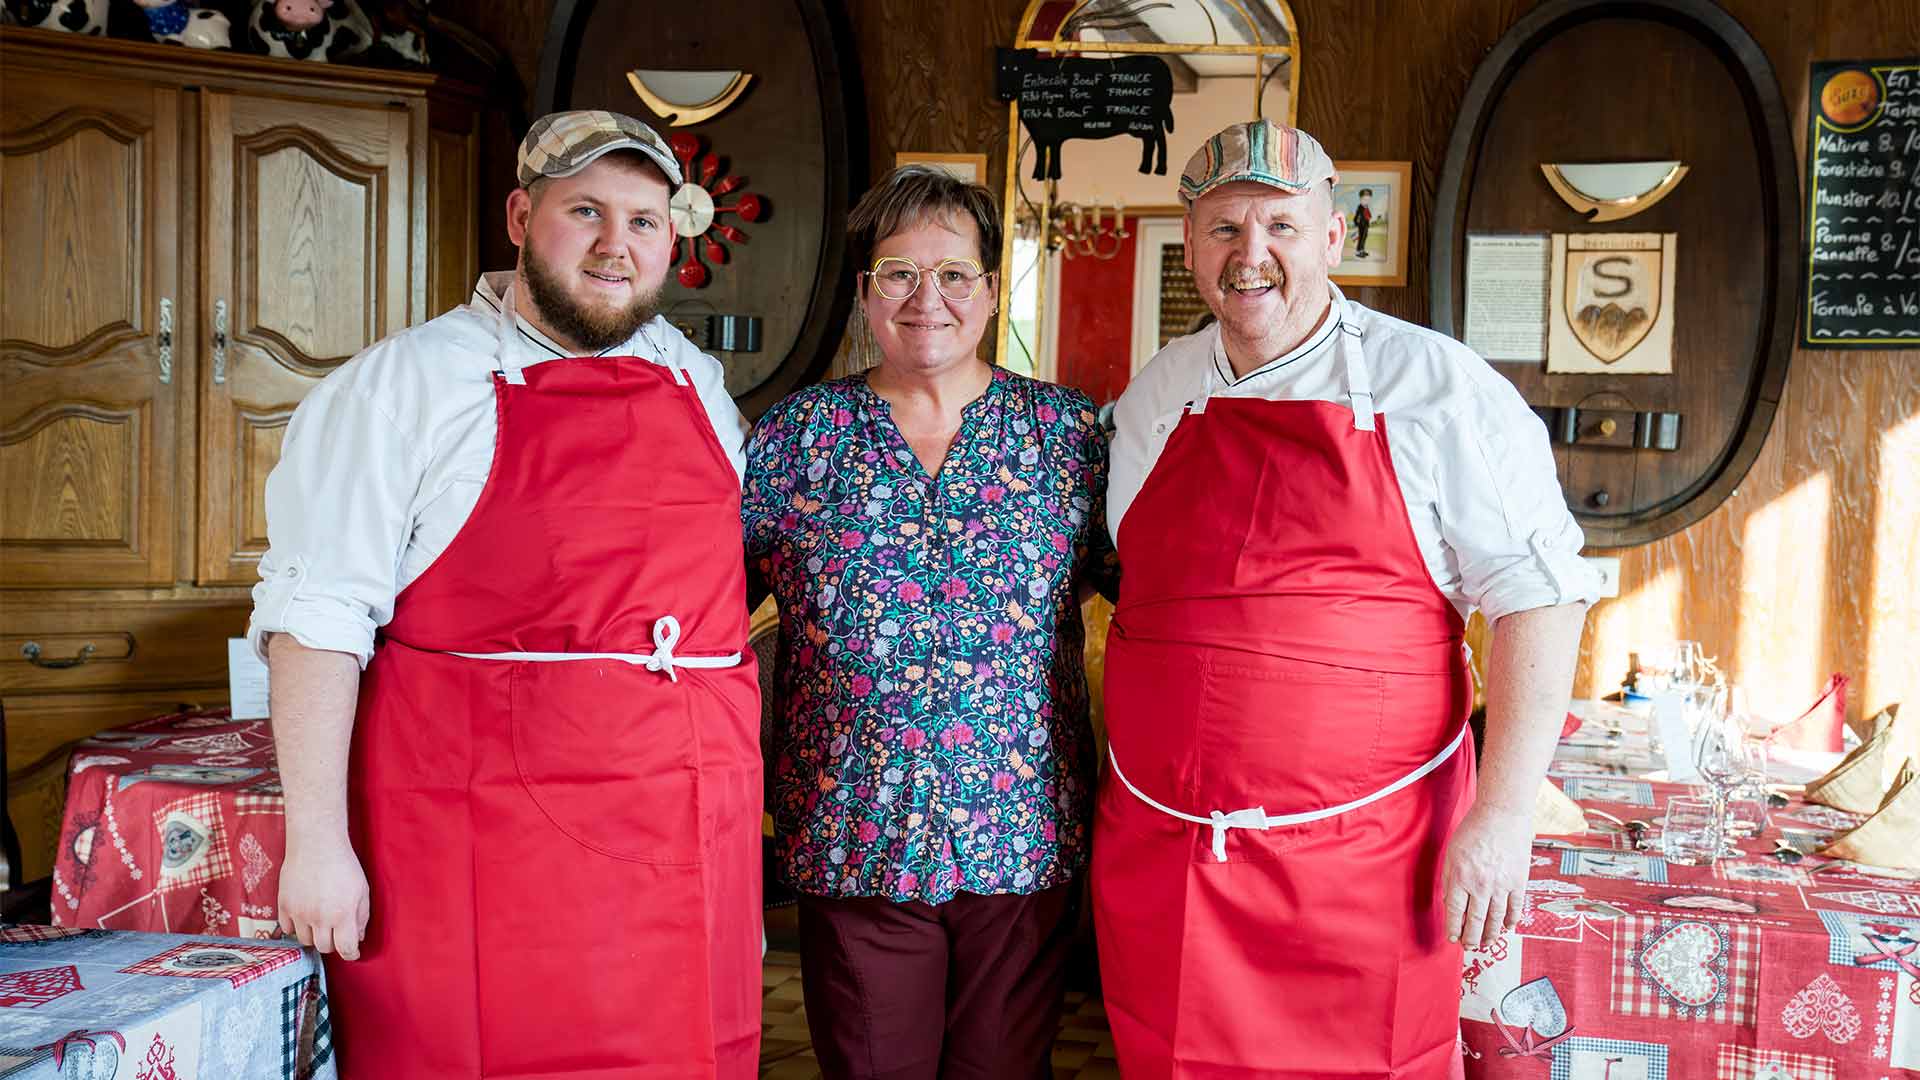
[1808,568]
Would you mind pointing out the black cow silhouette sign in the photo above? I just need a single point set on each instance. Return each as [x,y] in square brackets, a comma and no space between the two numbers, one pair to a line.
[1073,97]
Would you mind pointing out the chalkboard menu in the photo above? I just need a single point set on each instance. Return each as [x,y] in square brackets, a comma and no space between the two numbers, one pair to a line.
[1077,97]
[1863,206]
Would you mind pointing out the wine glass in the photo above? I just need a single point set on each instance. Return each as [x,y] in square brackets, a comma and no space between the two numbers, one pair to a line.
[1719,747]
[1747,812]
[1671,670]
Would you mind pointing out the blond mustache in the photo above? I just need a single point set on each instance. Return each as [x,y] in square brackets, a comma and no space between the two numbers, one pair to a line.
[1250,279]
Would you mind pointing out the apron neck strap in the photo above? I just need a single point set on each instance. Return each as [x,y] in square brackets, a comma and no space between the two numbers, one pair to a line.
[503,360]
[1353,362]
[1218,357]
[505,348]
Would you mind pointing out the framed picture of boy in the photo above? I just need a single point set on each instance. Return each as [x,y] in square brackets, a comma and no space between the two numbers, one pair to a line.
[1374,197]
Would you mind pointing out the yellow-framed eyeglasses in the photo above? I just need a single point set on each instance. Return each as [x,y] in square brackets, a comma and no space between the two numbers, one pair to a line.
[897,278]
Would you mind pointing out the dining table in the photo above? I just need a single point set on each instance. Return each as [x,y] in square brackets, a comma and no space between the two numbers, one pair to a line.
[1768,963]
[81,1004]
[173,824]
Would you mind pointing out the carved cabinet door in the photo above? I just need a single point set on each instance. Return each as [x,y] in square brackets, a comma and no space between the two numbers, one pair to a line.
[90,348]
[306,238]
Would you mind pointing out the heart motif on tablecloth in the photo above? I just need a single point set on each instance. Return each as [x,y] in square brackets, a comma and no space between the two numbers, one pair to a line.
[255,862]
[1680,962]
[1886,903]
[240,1028]
[1823,1007]
[1535,1005]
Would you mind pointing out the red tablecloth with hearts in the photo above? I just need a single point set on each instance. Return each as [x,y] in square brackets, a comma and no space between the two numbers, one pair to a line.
[1627,967]
[174,824]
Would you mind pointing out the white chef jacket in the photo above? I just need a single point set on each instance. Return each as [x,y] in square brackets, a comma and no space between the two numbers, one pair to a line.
[386,458]
[1471,458]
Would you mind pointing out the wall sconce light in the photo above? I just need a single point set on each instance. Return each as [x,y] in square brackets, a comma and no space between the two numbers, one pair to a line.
[1613,190]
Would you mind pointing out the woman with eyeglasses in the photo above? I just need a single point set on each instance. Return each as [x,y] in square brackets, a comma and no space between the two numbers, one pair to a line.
[927,527]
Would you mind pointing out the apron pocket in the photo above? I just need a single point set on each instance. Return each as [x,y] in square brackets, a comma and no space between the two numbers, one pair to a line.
[1289,735]
[609,754]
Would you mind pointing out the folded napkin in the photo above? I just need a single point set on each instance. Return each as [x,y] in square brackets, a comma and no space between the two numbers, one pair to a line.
[1822,725]
[1891,837]
[1859,783]
[1556,815]
[1570,725]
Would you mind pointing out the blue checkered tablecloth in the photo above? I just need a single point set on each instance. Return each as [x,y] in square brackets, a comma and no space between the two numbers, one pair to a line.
[98,1005]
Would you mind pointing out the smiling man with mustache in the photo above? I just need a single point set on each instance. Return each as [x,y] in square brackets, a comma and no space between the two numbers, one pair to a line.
[526,835]
[1309,498]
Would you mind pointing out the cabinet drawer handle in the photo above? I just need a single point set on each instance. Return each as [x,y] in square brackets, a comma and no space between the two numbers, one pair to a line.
[31,650]
[165,339]
[219,341]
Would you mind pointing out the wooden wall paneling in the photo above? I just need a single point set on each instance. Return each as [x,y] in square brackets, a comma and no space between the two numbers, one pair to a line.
[307,241]
[451,243]
[929,77]
[88,239]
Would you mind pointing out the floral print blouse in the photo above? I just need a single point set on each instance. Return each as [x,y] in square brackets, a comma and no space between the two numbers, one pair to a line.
[930,696]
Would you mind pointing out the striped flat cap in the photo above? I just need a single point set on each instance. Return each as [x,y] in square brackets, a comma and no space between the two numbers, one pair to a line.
[1257,150]
[563,143]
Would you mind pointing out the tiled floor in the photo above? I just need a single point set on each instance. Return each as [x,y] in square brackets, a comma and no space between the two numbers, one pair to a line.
[1082,1051]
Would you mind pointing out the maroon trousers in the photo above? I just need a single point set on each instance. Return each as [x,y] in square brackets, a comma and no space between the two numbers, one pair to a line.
[913,991]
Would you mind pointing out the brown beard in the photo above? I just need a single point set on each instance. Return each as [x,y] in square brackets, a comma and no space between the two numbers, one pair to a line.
[591,329]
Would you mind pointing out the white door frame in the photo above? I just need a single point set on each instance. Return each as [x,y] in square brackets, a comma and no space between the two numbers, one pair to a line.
[1151,235]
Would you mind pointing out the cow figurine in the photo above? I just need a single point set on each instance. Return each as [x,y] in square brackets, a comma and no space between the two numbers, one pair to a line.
[1131,95]
[179,22]
[319,30]
[74,16]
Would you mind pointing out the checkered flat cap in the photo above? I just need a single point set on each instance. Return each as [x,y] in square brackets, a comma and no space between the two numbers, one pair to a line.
[563,143]
[1261,151]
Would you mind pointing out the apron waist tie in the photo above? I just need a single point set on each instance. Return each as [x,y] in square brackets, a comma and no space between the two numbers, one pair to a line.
[1258,818]
[666,634]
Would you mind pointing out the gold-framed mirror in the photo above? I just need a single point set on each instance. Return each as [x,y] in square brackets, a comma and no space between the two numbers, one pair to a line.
[1105,234]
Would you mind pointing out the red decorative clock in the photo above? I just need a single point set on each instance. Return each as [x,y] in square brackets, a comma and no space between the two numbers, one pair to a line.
[695,207]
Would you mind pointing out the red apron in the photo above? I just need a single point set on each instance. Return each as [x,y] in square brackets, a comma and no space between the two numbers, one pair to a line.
[1286,699]
[555,775]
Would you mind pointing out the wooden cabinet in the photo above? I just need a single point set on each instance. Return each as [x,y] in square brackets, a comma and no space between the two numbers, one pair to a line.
[90,236]
[189,242]
[305,249]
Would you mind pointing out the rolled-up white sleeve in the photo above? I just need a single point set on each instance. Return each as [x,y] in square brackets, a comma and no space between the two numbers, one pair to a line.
[1501,509]
[338,522]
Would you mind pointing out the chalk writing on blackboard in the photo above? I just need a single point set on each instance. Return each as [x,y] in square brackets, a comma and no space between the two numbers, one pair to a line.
[1078,97]
[1863,205]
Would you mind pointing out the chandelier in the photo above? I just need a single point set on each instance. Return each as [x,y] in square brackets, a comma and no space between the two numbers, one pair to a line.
[1077,229]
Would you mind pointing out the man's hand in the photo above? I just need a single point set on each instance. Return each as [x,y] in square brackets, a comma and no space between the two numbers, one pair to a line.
[323,896]
[1486,874]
